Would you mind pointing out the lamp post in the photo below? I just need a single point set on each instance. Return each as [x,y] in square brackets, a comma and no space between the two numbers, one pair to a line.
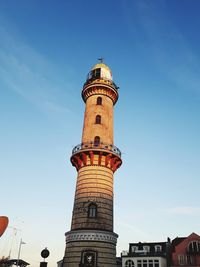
[19,251]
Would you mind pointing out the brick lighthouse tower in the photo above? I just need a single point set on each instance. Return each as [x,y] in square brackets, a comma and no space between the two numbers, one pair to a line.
[91,241]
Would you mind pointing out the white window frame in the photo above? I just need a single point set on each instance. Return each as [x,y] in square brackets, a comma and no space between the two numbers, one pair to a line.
[182,260]
[129,263]
[134,248]
[158,248]
[146,248]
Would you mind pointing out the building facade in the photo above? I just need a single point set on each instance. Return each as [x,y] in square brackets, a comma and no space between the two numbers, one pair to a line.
[91,241]
[181,251]
[185,251]
[154,254]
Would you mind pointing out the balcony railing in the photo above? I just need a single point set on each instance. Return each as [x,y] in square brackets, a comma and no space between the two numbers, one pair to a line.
[92,145]
[109,82]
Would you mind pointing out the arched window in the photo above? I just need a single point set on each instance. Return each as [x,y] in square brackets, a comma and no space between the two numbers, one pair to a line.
[99,100]
[98,119]
[92,210]
[96,141]
[129,263]
[194,247]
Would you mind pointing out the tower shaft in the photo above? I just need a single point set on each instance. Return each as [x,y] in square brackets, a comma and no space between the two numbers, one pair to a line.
[91,241]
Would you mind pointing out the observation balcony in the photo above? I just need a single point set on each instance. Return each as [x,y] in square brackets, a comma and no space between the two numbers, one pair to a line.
[102,81]
[96,146]
[100,87]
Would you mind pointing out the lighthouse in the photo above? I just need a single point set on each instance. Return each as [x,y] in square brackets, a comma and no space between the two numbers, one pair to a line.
[91,242]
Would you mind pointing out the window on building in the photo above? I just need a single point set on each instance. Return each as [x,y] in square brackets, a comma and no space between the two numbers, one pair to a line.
[182,260]
[158,248]
[134,248]
[96,141]
[144,263]
[194,247]
[139,263]
[98,119]
[186,259]
[191,260]
[129,263]
[99,100]
[146,248]
[156,263]
[97,73]
[150,263]
[92,210]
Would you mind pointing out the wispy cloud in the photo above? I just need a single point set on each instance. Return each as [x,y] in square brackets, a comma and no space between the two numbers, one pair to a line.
[185,210]
[31,75]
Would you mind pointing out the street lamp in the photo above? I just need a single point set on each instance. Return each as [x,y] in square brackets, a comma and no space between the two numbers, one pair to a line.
[19,251]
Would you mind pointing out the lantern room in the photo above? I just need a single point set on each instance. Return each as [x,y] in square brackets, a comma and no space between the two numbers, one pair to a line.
[100,71]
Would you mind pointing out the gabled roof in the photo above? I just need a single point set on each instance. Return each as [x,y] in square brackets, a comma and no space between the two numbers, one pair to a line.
[178,240]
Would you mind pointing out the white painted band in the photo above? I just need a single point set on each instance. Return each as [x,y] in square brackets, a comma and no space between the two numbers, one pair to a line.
[91,235]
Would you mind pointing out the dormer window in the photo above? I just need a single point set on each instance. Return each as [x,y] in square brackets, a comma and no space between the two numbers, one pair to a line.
[146,248]
[134,248]
[158,248]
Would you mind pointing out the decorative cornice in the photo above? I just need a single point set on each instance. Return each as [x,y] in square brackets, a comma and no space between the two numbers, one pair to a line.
[91,235]
[105,158]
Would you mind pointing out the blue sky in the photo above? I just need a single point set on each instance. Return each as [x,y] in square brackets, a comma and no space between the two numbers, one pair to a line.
[46,50]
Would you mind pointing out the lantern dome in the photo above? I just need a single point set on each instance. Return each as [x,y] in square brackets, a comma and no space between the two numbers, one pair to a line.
[100,71]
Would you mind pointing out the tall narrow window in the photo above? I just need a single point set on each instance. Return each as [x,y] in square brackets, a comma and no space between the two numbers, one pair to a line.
[156,263]
[99,100]
[98,119]
[194,247]
[97,73]
[92,210]
[96,141]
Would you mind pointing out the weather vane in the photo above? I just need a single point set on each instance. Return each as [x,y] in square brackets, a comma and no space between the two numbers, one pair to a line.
[101,59]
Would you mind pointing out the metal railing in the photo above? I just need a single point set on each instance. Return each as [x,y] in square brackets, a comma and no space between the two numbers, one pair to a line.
[93,145]
[108,81]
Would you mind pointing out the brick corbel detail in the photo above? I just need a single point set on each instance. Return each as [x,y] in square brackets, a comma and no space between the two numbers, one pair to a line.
[108,158]
[81,159]
[116,165]
[91,157]
[100,157]
[84,158]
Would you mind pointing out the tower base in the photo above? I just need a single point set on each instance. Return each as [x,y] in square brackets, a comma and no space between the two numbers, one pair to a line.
[90,248]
